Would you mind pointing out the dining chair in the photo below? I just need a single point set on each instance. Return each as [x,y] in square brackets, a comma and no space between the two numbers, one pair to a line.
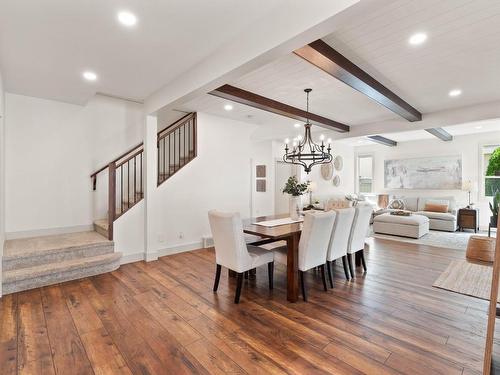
[358,235]
[313,244]
[232,252]
[339,240]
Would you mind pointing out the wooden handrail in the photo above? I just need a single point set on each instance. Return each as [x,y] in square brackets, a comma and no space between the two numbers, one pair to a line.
[129,158]
[104,167]
[171,128]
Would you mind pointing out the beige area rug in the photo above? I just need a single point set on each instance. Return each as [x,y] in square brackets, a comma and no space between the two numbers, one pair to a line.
[449,240]
[467,278]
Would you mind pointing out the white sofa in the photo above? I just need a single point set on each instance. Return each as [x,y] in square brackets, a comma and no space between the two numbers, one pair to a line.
[445,221]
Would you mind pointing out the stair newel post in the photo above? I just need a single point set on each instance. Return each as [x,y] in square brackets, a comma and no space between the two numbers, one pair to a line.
[111,198]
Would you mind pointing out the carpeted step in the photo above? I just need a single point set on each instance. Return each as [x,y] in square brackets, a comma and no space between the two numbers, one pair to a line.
[53,273]
[101,226]
[29,252]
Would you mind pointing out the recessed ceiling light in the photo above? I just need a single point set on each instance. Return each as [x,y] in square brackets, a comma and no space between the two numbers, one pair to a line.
[417,39]
[479,127]
[127,18]
[297,125]
[228,107]
[455,92]
[89,76]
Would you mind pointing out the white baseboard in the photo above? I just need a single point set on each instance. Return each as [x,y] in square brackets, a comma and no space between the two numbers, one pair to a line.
[48,231]
[179,248]
[131,258]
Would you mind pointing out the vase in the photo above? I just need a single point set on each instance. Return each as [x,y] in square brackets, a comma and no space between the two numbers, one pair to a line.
[294,207]
[493,221]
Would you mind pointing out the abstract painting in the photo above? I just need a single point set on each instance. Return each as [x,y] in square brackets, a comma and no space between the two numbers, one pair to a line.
[440,172]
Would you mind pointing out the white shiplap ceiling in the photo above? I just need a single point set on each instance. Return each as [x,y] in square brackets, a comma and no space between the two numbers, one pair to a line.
[461,52]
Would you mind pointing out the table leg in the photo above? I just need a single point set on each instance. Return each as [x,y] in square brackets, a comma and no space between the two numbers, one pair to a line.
[292,281]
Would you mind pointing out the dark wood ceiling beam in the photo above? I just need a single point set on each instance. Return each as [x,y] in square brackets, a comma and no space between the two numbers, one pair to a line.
[241,96]
[440,133]
[323,56]
[383,140]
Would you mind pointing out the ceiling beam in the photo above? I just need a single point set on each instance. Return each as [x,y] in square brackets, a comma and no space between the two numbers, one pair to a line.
[323,56]
[440,133]
[241,96]
[383,140]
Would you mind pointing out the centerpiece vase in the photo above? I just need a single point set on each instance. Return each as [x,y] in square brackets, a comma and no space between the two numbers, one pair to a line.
[294,207]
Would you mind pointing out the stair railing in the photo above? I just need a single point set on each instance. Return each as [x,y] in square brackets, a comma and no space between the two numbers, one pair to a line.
[177,146]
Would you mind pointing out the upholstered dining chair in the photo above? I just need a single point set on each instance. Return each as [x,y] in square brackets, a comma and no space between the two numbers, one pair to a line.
[358,235]
[339,240]
[232,252]
[313,244]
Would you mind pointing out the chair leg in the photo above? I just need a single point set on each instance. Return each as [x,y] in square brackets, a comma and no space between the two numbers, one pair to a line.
[351,269]
[346,271]
[270,272]
[362,256]
[303,285]
[217,277]
[239,282]
[323,276]
[246,274]
[330,272]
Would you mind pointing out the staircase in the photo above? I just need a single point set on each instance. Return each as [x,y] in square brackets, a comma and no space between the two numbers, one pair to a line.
[39,261]
[35,262]
[176,145]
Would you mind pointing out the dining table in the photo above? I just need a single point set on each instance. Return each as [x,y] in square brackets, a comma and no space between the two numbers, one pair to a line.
[285,232]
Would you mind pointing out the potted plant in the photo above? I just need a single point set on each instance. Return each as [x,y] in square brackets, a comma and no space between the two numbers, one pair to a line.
[295,190]
[494,164]
[494,209]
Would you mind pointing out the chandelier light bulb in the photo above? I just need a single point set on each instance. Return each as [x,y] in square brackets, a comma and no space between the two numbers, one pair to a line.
[329,140]
[287,141]
[322,137]
[299,137]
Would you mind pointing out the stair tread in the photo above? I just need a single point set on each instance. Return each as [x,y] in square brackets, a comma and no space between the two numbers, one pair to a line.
[54,268]
[45,244]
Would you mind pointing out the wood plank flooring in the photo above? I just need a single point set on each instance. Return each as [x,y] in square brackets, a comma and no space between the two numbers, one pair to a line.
[163,318]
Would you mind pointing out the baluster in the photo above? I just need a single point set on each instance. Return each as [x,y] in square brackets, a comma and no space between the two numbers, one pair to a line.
[128,185]
[111,198]
[142,187]
[179,148]
[185,153]
[135,182]
[158,160]
[121,189]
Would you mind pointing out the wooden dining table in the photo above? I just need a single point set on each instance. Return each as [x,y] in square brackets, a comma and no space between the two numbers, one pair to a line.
[287,232]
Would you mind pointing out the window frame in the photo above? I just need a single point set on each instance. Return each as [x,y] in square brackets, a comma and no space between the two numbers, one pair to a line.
[482,170]
[356,174]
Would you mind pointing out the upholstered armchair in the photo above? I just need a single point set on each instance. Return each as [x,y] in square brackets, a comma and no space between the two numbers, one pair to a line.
[358,235]
[339,240]
[232,252]
[313,245]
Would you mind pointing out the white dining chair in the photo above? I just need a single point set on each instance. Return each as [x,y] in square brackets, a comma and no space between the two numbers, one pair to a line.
[339,240]
[358,236]
[313,244]
[232,252]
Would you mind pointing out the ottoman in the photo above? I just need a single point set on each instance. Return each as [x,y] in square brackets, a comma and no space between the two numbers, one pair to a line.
[414,226]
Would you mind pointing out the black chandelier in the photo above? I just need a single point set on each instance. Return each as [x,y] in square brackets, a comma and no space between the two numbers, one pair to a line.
[304,151]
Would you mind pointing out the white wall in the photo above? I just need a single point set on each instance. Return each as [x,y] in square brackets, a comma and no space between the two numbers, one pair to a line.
[220,177]
[468,146]
[51,150]
[2,174]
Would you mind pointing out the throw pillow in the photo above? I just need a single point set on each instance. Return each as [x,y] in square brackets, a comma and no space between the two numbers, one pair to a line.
[396,204]
[436,207]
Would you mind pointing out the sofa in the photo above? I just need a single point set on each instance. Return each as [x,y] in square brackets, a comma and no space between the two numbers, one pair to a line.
[444,221]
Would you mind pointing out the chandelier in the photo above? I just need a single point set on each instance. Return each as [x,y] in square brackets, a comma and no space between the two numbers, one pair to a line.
[304,151]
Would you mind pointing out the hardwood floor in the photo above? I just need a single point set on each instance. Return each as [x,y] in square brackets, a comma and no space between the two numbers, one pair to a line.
[163,318]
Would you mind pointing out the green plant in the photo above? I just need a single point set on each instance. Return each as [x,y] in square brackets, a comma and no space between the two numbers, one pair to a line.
[494,163]
[496,201]
[293,187]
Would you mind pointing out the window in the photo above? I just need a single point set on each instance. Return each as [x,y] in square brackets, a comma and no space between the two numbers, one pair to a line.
[365,174]
[491,184]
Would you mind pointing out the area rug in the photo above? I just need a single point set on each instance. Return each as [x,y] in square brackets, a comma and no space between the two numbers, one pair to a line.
[449,240]
[466,278]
